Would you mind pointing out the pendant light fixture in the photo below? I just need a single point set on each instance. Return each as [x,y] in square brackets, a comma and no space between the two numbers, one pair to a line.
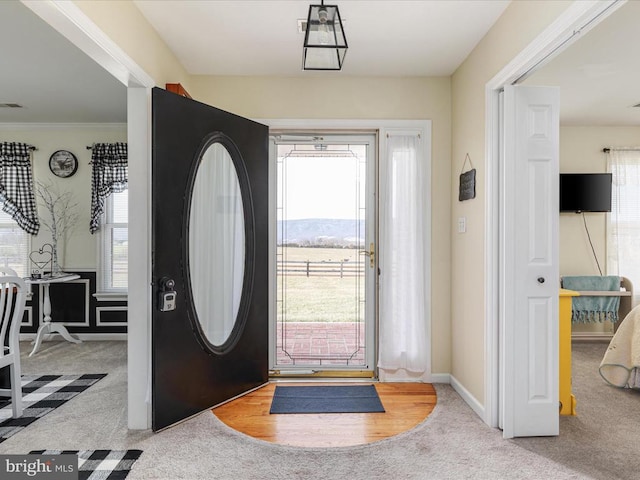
[325,45]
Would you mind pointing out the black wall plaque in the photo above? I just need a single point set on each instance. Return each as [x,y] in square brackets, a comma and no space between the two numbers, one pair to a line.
[467,182]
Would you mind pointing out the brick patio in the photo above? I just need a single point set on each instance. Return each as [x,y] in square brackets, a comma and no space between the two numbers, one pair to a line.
[320,343]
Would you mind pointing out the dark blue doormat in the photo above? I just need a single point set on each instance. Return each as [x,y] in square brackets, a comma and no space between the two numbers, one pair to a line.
[326,399]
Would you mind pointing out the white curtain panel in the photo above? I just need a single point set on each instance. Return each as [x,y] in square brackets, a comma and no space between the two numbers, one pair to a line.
[623,225]
[216,244]
[404,348]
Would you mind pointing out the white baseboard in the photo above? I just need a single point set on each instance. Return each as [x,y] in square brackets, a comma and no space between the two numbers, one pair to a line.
[440,378]
[469,399]
[81,336]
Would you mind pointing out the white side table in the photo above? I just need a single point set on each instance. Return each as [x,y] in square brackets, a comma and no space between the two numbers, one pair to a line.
[49,327]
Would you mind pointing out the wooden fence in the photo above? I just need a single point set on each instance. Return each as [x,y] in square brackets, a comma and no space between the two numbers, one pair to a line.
[307,268]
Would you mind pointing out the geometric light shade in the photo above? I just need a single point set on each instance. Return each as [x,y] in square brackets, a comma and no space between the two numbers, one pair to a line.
[325,45]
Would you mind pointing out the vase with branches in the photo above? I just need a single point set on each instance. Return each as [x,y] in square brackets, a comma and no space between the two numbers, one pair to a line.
[63,216]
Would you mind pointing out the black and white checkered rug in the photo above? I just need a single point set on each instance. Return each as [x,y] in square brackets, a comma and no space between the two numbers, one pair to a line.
[42,394]
[100,464]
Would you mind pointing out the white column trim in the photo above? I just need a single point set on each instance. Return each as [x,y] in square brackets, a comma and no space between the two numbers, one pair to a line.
[140,294]
[68,19]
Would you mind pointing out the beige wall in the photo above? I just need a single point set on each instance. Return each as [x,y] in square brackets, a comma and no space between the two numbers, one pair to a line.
[581,152]
[330,97]
[521,22]
[363,98]
[79,251]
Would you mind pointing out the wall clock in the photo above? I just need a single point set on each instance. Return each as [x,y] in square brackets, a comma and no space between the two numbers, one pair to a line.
[63,163]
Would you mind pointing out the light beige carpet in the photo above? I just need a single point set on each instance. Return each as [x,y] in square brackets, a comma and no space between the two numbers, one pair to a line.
[453,443]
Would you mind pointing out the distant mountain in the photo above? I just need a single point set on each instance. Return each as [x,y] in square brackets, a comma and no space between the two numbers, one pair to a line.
[321,232]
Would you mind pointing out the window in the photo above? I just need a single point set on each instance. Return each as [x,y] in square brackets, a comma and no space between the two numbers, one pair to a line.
[14,245]
[114,249]
[623,229]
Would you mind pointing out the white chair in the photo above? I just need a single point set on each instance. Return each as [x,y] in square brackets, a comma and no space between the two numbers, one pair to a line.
[12,301]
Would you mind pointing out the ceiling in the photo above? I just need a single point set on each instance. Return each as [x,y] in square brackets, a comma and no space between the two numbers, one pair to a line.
[52,79]
[599,75]
[258,37]
[55,82]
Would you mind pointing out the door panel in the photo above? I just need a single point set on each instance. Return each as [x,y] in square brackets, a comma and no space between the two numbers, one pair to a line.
[325,255]
[189,373]
[529,360]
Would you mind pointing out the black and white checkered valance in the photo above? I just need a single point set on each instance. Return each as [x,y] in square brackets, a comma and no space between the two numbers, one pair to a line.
[108,175]
[16,185]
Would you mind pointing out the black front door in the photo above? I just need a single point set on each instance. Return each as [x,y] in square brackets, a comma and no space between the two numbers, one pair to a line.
[193,369]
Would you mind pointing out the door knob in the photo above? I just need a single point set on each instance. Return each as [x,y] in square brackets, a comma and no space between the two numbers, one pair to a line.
[540,279]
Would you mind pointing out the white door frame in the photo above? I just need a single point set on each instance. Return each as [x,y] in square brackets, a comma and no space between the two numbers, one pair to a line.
[577,19]
[71,22]
[369,138]
[382,127]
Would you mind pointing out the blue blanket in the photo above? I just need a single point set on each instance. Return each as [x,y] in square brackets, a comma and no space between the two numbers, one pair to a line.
[588,309]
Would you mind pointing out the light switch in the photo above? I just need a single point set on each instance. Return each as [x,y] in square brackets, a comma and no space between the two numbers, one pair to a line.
[462,224]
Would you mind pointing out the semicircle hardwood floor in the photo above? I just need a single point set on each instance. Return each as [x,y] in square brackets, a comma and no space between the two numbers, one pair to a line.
[406,405]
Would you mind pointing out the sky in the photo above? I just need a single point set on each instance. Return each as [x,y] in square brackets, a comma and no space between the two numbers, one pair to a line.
[320,187]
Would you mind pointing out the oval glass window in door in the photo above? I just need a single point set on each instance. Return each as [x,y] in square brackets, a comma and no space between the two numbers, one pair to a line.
[216,244]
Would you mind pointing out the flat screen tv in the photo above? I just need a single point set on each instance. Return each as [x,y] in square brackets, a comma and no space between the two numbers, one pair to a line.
[585,192]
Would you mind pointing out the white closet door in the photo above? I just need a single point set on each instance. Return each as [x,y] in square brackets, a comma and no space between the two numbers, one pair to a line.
[529,323]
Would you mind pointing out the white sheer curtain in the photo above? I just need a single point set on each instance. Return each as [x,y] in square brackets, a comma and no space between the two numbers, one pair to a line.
[404,347]
[216,244]
[623,225]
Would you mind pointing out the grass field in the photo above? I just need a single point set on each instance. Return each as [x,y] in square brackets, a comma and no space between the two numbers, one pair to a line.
[320,298]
